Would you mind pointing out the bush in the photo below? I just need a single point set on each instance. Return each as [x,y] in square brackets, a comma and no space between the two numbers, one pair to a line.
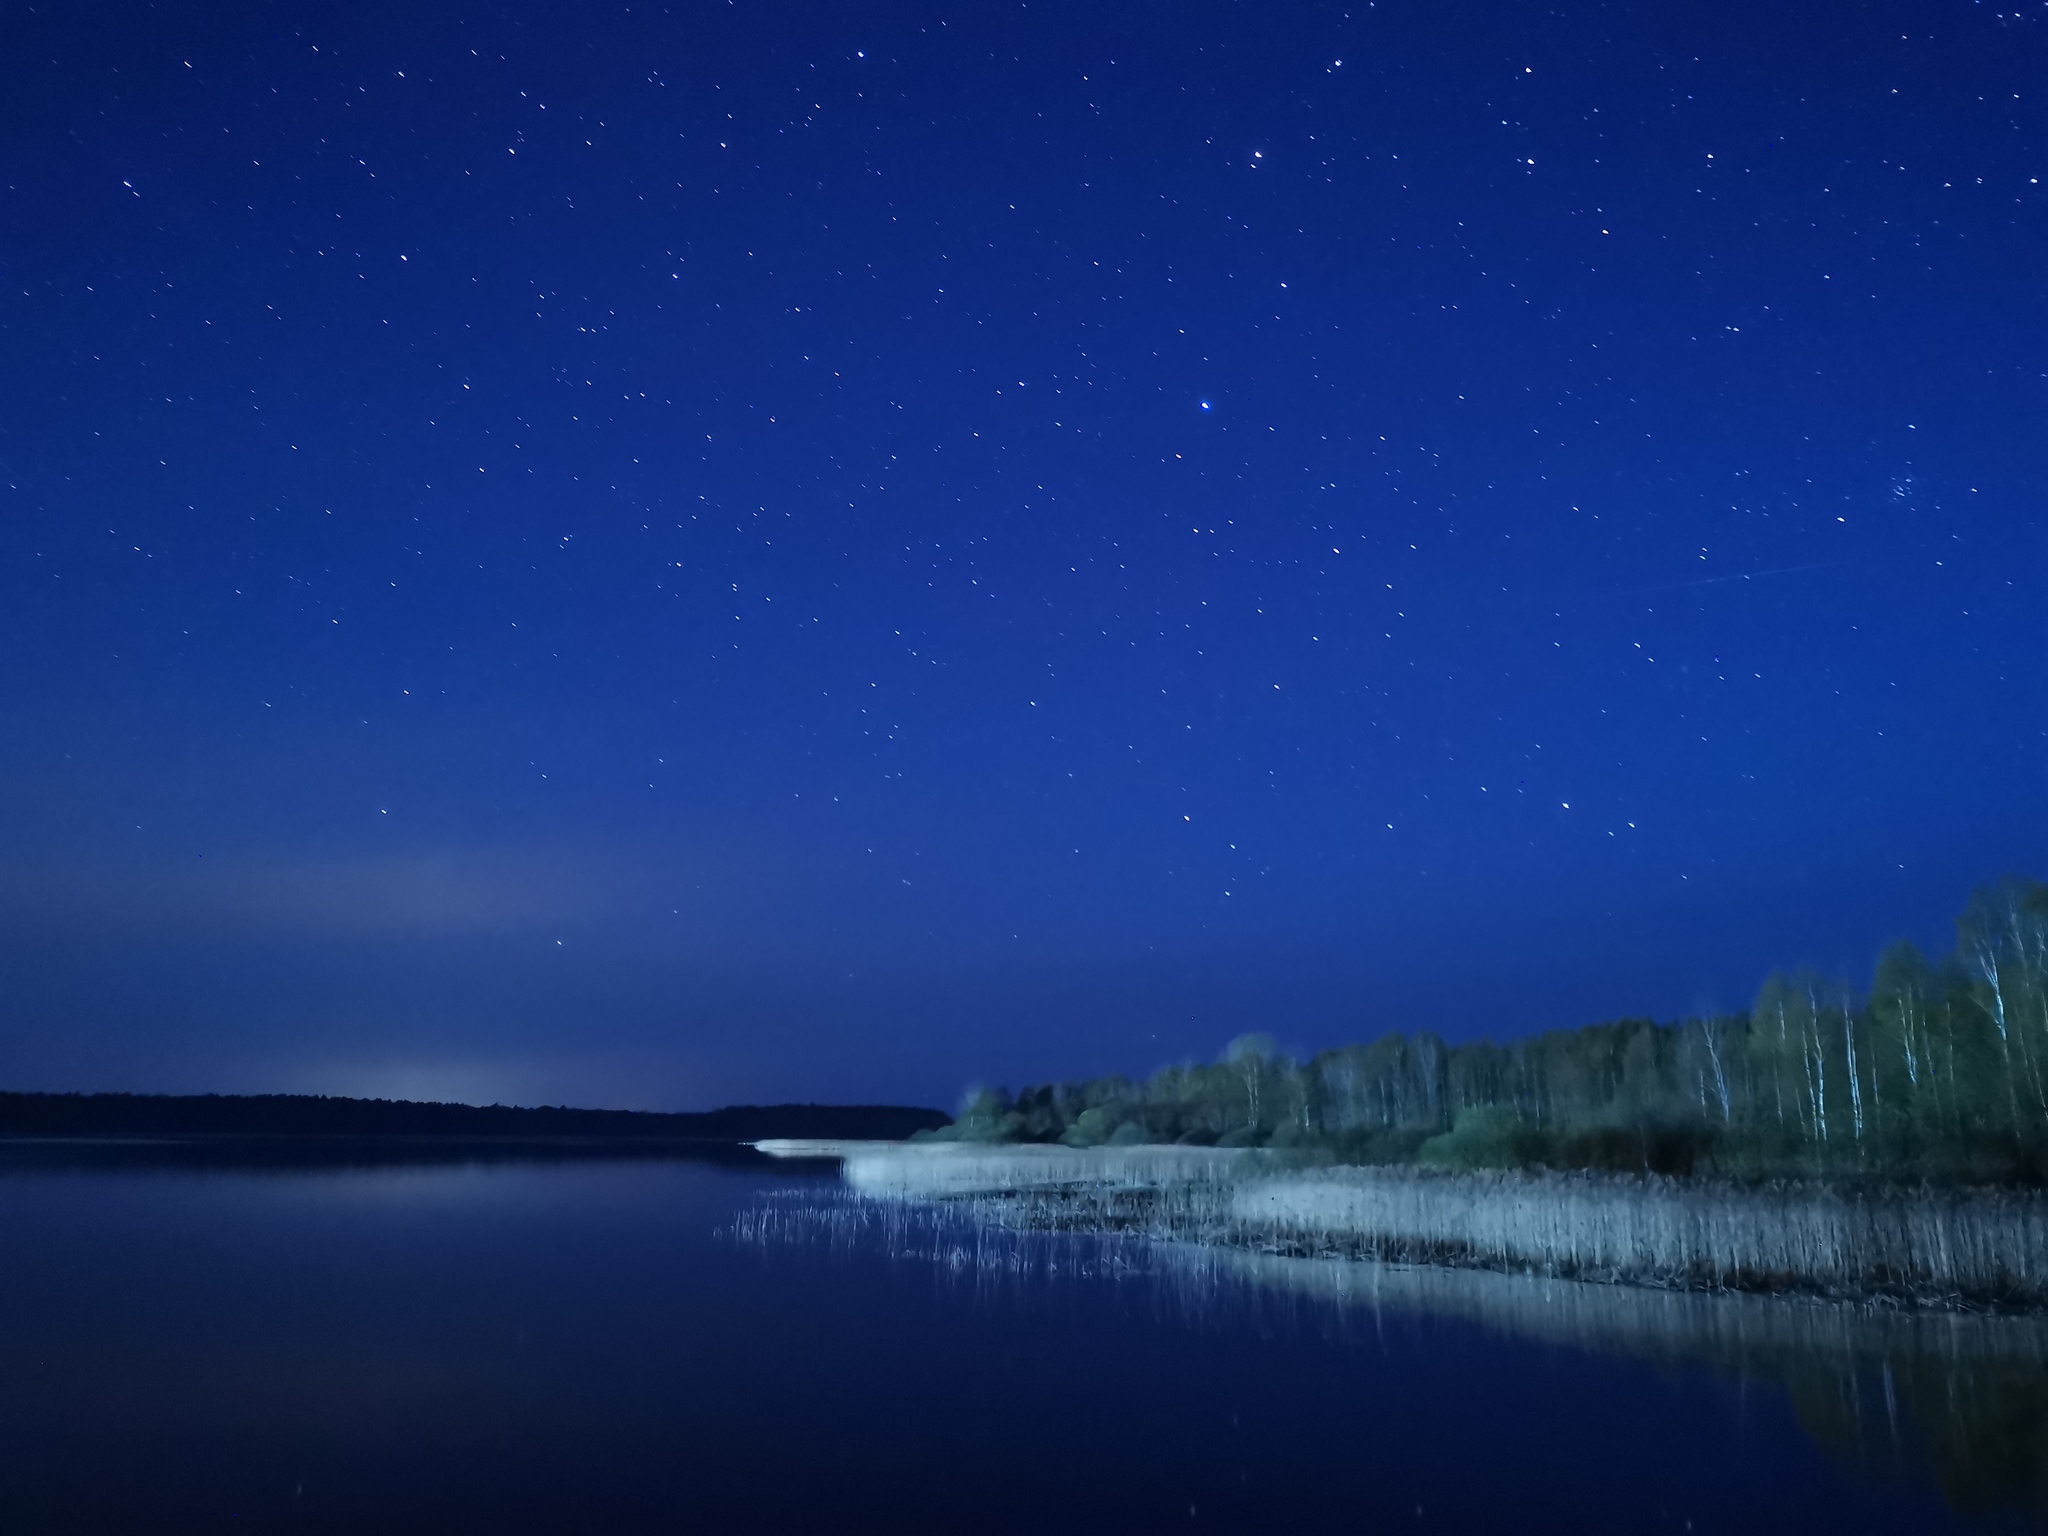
[1103,1123]
[1373,1145]
[1294,1134]
[985,1116]
[1659,1149]
[1486,1136]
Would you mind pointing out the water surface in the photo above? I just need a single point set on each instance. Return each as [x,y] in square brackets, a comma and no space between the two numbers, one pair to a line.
[596,1346]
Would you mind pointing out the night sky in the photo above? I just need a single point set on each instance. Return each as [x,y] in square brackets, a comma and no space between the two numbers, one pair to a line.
[667,555]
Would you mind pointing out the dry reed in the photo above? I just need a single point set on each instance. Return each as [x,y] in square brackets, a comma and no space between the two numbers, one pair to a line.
[1943,1247]
[1971,1245]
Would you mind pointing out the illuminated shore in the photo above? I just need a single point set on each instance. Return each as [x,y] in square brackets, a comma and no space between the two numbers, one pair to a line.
[1953,1248]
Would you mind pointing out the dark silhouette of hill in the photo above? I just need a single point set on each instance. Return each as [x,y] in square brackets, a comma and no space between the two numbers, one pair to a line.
[288,1115]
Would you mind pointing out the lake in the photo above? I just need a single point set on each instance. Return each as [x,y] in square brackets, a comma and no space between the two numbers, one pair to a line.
[624,1346]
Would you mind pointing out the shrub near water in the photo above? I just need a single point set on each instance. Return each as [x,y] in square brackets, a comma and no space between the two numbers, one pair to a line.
[1939,1073]
[1485,1136]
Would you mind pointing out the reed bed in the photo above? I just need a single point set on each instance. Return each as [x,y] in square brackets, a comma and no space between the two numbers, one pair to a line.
[1961,1246]
[947,1170]
[1956,1247]
[955,1238]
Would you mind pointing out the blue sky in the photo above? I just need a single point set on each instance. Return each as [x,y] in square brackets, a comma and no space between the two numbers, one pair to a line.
[663,556]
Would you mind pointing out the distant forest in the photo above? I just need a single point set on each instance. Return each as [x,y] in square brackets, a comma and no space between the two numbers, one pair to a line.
[307,1115]
[1939,1071]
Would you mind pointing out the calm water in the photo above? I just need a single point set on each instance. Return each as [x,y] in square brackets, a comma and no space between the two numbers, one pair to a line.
[590,1347]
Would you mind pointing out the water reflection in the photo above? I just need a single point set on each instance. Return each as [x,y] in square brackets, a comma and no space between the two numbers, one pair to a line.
[1892,1393]
[343,1154]
[554,1345]
[1888,1392]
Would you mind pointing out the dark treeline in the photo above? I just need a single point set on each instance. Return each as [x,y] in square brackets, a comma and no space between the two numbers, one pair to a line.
[280,1114]
[1939,1071]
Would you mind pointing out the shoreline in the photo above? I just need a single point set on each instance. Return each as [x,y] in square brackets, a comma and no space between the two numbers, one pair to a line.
[1948,1250]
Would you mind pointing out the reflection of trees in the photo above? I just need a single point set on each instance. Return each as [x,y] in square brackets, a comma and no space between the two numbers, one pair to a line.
[1885,1391]
[1889,1392]
[1986,1424]
[1981,1426]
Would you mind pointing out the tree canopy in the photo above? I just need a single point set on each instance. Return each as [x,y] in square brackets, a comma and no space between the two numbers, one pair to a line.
[1939,1071]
